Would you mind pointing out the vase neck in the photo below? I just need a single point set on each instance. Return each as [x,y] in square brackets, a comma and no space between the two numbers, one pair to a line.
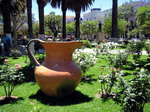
[60,50]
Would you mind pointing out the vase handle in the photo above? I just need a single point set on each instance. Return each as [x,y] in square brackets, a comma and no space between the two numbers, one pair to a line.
[31,56]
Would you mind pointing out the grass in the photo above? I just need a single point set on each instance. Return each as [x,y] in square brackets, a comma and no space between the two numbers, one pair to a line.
[31,99]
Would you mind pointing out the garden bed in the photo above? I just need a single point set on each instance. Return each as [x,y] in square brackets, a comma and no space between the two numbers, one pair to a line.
[31,99]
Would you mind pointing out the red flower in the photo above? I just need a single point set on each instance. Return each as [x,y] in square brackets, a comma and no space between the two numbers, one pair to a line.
[6,60]
[16,65]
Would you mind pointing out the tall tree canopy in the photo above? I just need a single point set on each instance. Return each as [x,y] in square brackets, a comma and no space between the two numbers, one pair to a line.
[53,22]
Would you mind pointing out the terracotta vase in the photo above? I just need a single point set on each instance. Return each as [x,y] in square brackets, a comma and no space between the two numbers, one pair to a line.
[58,75]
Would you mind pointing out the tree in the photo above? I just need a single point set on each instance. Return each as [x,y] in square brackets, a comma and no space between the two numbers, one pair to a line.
[35,27]
[114,33]
[143,19]
[107,28]
[1,24]
[6,15]
[41,5]
[128,12]
[17,7]
[80,5]
[89,27]
[63,4]
[70,27]
[8,8]
[53,22]
[29,13]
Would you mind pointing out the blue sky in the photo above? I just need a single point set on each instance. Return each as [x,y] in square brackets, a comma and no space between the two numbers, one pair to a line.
[103,4]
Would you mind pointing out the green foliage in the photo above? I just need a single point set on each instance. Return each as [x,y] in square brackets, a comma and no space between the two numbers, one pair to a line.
[89,27]
[108,81]
[104,47]
[108,23]
[53,22]
[86,43]
[28,70]
[10,77]
[84,96]
[117,60]
[107,26]
[15,53]
[135,48]
[147,47]
[124,11]
[84,60]
[35,27]
[132,95]
[70,27]
[143,18]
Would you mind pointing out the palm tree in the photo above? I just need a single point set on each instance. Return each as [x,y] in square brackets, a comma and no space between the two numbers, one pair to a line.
[29,13]
[41,5]
[77,6]
[63,4]
[6,10]
[114,33]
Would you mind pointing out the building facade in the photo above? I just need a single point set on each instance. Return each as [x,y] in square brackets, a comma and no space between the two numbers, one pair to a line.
[96,15]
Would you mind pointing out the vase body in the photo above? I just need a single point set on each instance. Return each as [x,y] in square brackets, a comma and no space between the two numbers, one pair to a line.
[58,75]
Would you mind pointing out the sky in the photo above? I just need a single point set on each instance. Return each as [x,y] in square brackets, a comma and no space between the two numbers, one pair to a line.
[103,4]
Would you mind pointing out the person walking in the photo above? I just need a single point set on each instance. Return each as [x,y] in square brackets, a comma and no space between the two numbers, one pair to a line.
[7,41]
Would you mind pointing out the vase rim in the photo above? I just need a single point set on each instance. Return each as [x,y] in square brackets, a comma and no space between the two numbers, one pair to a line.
[62,42]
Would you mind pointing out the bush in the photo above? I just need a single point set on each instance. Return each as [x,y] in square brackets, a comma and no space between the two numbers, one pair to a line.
[15,53]
[135,48]
[28,70]
[147,47]
[10,77]
[84,60]
[87,43]
[133,94]
[117,60]
[105,47]
[108,81]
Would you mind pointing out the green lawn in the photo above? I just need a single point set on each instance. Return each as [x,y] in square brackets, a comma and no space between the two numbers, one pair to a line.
[82,100]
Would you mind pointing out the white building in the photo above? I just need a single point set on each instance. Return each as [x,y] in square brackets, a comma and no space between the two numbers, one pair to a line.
[96,15]
[70,19]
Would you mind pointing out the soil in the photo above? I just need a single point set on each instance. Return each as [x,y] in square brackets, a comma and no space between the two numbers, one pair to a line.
[7,100]
[104,95]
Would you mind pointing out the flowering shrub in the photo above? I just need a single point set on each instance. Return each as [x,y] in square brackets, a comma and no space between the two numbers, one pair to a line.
[108,81]
[133,94]
[84,60]
[87,43]
[105,47]
[147,47]
[117,60]
[10,77]
[135,48]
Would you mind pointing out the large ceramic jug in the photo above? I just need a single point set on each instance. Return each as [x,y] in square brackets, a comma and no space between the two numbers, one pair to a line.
[58,75]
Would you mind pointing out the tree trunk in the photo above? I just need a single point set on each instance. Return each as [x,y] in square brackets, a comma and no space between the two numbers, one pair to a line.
[114,33]
[77,28]
[41,18]
[6,8]
[15,30]
[29,12]
[64,9]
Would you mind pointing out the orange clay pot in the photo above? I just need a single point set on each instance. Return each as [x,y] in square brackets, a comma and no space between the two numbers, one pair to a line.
[58,75]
